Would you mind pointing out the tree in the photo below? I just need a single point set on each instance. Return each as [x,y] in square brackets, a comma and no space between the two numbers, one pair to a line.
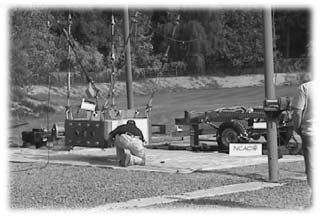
[197,47]
[243,44]
[30,52]
[204,38]
[233,38]
[292,30]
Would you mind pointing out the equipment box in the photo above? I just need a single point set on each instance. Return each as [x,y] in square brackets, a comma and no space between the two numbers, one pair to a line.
[37,137]
[86,133]
[95,133]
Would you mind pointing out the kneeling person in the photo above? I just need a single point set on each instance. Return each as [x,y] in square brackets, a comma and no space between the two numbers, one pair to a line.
[128,136]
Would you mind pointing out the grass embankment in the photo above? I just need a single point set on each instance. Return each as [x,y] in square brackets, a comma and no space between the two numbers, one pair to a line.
[34,100]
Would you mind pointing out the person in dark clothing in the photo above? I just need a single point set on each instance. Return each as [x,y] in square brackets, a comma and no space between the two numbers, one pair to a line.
[128,136]
[130,128]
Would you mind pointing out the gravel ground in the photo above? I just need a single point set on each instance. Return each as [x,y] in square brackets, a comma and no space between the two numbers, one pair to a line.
[72,187]
[293,195]
[58,186]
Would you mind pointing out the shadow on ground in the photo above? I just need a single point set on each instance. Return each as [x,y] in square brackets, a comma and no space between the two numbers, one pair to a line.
[219,203]
[107,160]
[253,176]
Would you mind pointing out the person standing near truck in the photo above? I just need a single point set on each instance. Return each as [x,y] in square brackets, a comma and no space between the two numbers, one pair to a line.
[303,120]
[128,137]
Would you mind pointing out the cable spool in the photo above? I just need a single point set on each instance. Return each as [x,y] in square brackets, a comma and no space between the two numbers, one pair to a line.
[58,131]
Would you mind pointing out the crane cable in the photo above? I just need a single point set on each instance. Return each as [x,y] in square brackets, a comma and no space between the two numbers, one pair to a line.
[116,67]
[70,40]
[164,60]
[110,94]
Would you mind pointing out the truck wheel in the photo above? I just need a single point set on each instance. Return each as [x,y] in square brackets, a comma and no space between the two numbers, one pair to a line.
[229,132]
[284,137]
[256,137]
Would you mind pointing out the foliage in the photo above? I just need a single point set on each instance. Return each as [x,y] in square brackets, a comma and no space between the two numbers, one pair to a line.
[28,46]
[243,44]
[197,49]
[292,30]
[204,40]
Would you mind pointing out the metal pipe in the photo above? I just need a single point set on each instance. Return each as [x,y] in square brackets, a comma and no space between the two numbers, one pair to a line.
[270,94]
[129,90]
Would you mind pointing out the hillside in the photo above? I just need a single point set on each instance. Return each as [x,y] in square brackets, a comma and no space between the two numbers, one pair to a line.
[37,95]
[144,87]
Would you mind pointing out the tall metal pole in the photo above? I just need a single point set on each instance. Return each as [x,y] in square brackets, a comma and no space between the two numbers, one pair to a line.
[49,79]
[113,74]
[129,90]
[270,94]
[69,67]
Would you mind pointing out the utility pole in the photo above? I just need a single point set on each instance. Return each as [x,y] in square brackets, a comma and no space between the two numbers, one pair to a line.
[129,90]
[69,68]
[270,95]
[113,74]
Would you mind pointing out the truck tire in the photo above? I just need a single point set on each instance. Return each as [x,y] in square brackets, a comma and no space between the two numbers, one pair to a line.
[229,132]
[284,137]
[285,133]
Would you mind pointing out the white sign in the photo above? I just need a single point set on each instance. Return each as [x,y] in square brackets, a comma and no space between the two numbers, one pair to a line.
[87,105]
[260,125]
[245,149]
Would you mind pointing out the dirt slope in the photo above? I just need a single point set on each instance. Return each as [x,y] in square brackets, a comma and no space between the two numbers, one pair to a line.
[38,94]
[145,87]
